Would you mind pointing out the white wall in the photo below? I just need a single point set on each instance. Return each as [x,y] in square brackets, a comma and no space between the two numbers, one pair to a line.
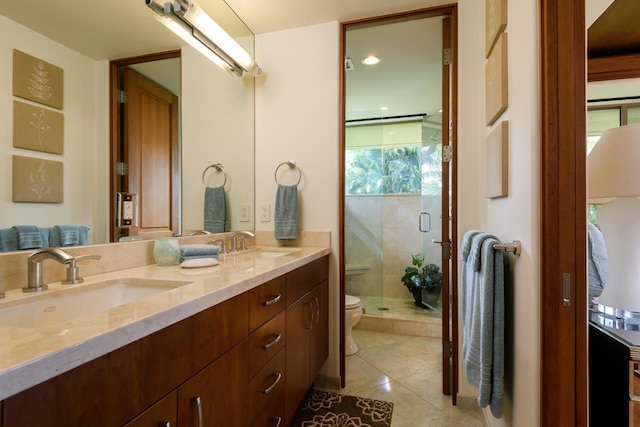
[81,139]
[297,119]
[513,217]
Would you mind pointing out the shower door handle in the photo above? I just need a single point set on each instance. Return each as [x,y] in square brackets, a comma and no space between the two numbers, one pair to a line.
[428,222]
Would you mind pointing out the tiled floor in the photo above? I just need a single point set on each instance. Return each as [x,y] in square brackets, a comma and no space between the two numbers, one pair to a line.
[405,370]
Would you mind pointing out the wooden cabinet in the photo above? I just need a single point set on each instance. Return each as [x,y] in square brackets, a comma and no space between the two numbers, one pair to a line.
[248,361]
[162,414]
[217,396]
[307,331]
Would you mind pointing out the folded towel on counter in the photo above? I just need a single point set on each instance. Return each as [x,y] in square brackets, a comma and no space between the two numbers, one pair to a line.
[69,235]
[215,210]
[199,251]
[28,237]
[286,212]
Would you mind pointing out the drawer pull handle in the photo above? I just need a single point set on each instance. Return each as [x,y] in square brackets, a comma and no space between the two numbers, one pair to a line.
[198,403]
[272,386]
[272,343]
[164,424]
[317,311]
[279,421]
[310,314]
[272,301]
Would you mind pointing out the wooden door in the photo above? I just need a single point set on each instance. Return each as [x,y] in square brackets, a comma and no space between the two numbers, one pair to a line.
[150,147]
[320,329]
[219,392]
[298,324]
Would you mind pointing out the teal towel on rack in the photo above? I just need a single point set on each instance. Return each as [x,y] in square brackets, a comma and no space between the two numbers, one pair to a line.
[482,294]
[199,251]
[286,212]
[215,210]
[69,235]
[8,240]
[28,237]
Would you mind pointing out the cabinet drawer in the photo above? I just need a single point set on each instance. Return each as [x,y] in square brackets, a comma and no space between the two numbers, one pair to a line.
[305,278]
[266,301]
[161,414]
[266,385]
[273,414]
[265,343]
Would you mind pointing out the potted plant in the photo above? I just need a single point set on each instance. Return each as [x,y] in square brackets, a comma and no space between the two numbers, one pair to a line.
[418,278]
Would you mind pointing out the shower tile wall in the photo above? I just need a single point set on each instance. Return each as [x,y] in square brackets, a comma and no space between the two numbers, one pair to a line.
[382,233]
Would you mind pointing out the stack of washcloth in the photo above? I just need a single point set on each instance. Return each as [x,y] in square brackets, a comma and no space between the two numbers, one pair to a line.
[22,237]
[188,252]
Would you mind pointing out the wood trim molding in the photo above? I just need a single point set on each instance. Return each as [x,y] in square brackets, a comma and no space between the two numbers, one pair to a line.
[563,391]
[613,67]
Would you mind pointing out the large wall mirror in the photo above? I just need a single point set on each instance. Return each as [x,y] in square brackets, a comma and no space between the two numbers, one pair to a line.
[216,119]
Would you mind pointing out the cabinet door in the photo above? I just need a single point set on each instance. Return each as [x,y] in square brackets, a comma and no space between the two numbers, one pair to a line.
[320,330]
[217,395]
[298,353]
[162,414]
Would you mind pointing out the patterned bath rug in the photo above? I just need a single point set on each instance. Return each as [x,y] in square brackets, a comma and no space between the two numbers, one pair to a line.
[325,409]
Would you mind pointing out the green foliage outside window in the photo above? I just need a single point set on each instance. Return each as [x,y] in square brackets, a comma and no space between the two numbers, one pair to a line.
[394,170]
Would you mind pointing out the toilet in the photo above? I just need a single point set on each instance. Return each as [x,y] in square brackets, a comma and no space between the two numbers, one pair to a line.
[352,315]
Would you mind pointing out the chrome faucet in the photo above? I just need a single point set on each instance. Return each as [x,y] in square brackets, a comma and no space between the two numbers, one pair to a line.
[243,243]
[222,244]
[34,267]
[73,272]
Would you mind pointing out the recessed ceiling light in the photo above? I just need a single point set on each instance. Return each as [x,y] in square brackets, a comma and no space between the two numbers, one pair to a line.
[383,108]
[371,60]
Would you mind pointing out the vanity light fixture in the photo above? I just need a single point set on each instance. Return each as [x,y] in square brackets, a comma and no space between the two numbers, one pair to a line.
[371,60]
[194,26]
[614,180]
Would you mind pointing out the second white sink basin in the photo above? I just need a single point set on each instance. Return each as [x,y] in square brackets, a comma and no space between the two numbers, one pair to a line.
[51,307]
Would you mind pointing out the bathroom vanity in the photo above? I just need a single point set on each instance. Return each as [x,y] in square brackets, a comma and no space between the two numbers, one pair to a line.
[239,345]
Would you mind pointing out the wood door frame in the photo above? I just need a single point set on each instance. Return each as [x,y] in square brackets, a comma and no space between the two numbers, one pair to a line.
[452,10]
[563,241]
[116,122]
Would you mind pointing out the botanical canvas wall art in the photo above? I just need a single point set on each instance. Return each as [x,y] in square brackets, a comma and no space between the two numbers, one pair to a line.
[37,180]
[37,80]
[36,128]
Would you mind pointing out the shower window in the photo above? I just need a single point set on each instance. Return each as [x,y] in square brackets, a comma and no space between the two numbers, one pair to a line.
[406,169]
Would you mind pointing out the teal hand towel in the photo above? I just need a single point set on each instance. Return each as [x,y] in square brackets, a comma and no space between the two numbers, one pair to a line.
[215,210]
[8,240]
[28,237]
[69,235]
[286,212]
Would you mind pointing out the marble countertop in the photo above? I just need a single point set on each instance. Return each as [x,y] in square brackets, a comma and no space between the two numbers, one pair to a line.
[31,355]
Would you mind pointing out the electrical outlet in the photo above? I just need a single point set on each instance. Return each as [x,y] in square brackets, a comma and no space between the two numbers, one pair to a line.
[265,213]
[245,211]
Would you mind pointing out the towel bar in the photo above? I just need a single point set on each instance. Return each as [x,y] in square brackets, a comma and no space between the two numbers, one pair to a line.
[292,165]
[515,247]
[218,167]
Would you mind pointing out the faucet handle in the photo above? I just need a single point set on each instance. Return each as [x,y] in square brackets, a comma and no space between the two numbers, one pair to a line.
[72,271]
[222,244]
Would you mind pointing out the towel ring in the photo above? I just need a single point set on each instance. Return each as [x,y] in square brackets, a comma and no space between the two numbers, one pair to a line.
[292,165]
[218,167]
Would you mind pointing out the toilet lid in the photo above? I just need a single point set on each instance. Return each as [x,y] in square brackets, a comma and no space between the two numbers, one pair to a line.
[351,302]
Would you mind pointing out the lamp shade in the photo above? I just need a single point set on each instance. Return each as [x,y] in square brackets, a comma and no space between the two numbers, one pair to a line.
[614,165]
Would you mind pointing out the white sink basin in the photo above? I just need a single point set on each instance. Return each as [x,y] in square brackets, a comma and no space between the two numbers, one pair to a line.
[268,253]
[51,307]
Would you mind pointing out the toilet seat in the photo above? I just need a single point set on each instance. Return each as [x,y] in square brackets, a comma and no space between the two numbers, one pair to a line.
[351,302]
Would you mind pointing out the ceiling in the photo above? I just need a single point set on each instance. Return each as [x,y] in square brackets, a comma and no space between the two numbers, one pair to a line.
[123,28]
